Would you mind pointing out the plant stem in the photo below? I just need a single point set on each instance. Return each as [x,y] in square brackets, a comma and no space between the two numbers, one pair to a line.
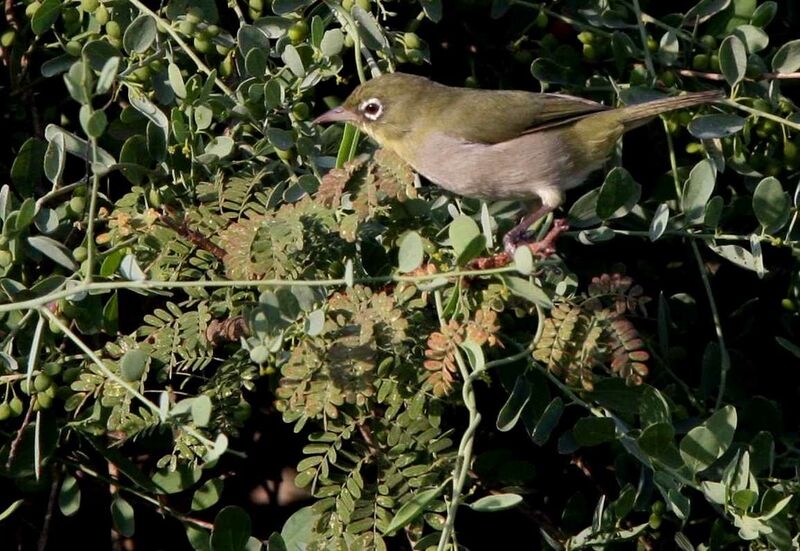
[648,58]
[725,360]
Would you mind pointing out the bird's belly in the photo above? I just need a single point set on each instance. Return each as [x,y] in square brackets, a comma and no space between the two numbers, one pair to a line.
[530,166]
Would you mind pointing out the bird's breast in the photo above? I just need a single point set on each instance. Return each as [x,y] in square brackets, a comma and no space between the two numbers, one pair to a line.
[525,167]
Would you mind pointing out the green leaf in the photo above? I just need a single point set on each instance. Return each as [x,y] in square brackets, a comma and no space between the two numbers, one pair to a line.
[512,409]
[369,29]
[754,38]
[315,323]
[496,502]
[764,14]
[208,494]
[657,442]
[293,61]
[130,270]
[276,543]
[473,249]
[46,220]
[527,290]
[122,516]
[771,205]
[432,9]
[201,410]
[697,191]
[176,80]
[733,59]
[220,147]
[462,231]
[96,124]
[618,195]
[45,16]
[53,250]
[140,34]
[133,364]
[80,148]
[736,254]
[10,509]
[27,168]
[142,103]
[107,75]
[286,7]
[231,531]
[669,48]
[412,509]
[69,496]
[653,407]
[591,431]
[705,9]
[715,126]
[787,58]
[173,482]
[80,81]
[523,260]
[548,422]
[298,530]
[410,252]
[332,42]
[705,443]
[659,222]
[583,212]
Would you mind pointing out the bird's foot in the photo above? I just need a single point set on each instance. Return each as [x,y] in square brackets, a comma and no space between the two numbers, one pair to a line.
[542,248]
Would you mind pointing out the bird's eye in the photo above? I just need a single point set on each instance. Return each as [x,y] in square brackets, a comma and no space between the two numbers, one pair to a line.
[372,109]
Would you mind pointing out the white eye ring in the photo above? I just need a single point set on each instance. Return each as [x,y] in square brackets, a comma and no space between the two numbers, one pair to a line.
[372,108]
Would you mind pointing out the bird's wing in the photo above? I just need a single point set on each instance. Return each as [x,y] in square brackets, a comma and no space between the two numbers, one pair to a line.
[498,116]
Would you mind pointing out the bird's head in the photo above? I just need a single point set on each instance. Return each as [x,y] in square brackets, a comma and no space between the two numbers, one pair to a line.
[386,107]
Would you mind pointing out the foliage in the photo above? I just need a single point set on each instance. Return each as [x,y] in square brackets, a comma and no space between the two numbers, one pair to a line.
[187,260]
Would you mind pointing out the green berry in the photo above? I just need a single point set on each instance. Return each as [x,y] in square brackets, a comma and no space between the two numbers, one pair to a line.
[142,74]
[77,205]
[541,20]
[713,63]
[790,151]
[73,48]
[700,62]
[654,521]
[42,382]
[363,4]
[70,16]
[5,411]
[589,52]
[32,8]
[348,41]
[42,401]
[586,37]
[668,78]
[472,82]
[347,5]
[709,42]
[222,49]
[90,5]
[186,27]
[101,15]
[52,369]
[298,32]
[79,253]
[8,38]
[16,406]
[226,66]
[5,259]
[113,29]
[652,44]
[412,41]
[212,30]
[788,305]
[202,46]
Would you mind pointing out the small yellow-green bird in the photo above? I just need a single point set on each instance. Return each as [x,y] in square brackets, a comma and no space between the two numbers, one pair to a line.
[496,144]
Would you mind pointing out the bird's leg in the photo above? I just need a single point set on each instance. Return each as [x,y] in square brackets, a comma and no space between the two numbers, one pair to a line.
[517,234]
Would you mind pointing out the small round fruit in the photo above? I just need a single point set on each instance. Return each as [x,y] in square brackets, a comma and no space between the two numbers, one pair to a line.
[212,30]
[90,5]
[348,41]
[586,37]
[412,41]
[8,38]
[44,401]
[298,31]
[285,155]
[668,78]
[222,49]
[541,20]
[654,521]
[186,27]
[5,259]
[589,52]
[77,206]
[16,406]
[472,82]
[32,8]
[52,369]
[202,46]
[652,44]
[80,253]
[73,48]
[5,411]
[790,151]
[709,42]
[788,305]
[713,63]
[700,62]
[226,66]
[101,15]
[113,29]
[42,382]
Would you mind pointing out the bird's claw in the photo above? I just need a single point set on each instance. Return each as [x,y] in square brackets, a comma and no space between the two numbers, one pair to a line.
[542,248]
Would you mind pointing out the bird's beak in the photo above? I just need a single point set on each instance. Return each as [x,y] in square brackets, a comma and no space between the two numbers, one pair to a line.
[339,114]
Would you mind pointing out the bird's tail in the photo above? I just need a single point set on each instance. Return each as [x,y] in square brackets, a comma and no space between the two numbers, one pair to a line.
[638,114]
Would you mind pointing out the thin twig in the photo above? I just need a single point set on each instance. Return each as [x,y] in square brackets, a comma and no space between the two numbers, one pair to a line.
[725,360]
[648,58]
[41,545]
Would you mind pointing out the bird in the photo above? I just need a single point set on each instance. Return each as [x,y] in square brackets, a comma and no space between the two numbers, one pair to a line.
[497,144]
